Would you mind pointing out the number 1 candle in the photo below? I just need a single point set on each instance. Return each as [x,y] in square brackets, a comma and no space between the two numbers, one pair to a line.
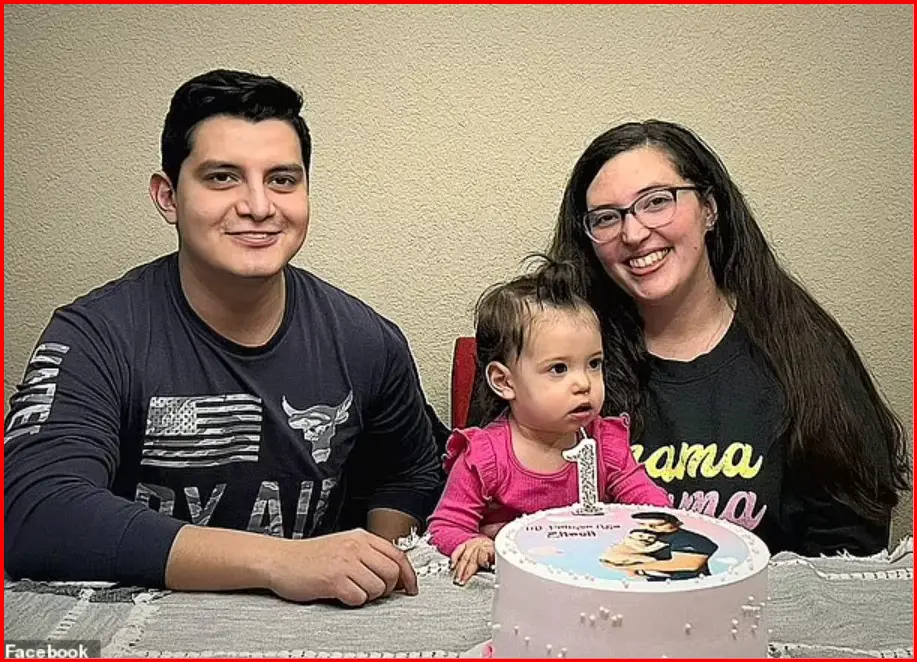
[584,454]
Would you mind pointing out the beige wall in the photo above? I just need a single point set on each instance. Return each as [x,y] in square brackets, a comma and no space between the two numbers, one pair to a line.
[443,137]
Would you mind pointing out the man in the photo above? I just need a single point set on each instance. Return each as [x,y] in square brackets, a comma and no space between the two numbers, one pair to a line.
[688,551]
[168,419]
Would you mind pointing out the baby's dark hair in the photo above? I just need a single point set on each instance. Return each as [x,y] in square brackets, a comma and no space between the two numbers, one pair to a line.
[504,314]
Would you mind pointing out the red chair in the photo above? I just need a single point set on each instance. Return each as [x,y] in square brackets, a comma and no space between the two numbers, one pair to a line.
[463,373]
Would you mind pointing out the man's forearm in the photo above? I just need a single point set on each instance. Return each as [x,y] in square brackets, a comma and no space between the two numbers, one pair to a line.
[212,559]
[352,566]
[390,524]
[63,529]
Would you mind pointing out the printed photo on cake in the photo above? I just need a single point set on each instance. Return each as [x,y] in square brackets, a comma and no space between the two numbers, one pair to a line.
[669,550]
[637,545]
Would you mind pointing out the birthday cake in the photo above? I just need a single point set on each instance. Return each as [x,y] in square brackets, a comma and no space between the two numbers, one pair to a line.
[628,581]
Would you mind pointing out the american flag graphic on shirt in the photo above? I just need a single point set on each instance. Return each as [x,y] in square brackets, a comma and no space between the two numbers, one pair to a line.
[202,431]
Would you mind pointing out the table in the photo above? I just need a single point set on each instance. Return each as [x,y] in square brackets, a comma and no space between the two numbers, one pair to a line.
[825,607]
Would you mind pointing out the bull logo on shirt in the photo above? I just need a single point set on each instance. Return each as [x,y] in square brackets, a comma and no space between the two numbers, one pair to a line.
[318,424]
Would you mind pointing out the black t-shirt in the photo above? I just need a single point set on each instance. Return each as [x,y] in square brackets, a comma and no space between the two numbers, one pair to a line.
[134,417]
[688,542]
[661,554]
[711,439]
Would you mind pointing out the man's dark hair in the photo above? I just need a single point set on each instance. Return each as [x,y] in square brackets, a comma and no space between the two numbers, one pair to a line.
[665,517]
[232,94]
[645,532]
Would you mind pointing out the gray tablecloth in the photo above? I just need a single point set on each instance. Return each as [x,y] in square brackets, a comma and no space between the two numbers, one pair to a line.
[827,607]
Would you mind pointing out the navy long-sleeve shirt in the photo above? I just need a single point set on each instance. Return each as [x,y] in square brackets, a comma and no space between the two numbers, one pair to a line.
[134,417]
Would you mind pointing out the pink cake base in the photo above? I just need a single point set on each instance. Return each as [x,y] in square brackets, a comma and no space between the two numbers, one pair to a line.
[555,597]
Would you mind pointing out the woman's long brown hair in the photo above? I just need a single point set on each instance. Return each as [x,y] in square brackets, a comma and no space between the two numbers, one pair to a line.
[833,413]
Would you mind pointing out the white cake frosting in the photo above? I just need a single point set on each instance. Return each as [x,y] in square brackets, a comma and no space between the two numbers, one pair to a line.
[555,597]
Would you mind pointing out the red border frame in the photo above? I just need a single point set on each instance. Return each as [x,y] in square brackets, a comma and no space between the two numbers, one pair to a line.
[914,92]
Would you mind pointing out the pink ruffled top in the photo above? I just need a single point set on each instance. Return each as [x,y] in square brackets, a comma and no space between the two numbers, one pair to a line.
[487,485]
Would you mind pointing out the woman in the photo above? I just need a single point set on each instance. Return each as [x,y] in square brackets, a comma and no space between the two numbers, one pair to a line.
[748,400]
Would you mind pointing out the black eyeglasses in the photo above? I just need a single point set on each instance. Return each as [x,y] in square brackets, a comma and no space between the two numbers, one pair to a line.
[653,209]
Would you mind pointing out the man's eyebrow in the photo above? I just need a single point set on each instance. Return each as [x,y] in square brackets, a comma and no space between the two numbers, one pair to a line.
[216,165]
[288,167]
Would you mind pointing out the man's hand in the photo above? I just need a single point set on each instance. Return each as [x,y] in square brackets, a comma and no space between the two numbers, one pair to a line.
[354,567]
[470,556]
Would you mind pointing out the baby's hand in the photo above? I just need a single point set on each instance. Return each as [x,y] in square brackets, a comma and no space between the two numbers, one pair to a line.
[469,557]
